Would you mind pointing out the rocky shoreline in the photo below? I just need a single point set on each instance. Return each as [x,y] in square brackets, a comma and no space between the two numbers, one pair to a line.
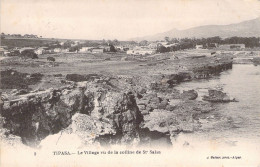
[107,110]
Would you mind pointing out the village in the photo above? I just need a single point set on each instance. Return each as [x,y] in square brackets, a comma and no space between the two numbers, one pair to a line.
[96,47]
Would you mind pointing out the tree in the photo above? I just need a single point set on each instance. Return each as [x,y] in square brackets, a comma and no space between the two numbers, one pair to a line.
[132,42]
[104,42]
[112,48]
[167,39]
[116,42]
[174,40]
[67,44]
[51,59]
[143,43]
[74,49]
[109,42]
[162,49]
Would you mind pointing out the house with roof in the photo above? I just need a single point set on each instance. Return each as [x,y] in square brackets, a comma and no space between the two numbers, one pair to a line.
[40,50]
[105,48]
[98,50]
[48,51]
[199,47]
[85,49]
[65,50]
[153,45]
[57,50]
[121,48]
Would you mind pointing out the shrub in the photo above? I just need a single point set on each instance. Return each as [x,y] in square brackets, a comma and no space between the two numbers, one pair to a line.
[11,79]
[75,77]
[29,54]
[51,59]
[80,78]
[112,48]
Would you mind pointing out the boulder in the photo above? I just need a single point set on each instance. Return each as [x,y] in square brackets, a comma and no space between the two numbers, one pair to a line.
[190,95]
[218,96]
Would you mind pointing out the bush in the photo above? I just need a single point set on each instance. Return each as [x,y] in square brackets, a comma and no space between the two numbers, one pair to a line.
[29,54]
[51,59]
[80,78]
[75,77]
[112,48]
[11,79]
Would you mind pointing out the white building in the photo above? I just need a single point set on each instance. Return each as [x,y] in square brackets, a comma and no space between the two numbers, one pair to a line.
[153,45]
[65,50]
[57,50]
[97,50]
[165,44]
[40,50]
[119,47]
[199,46]
[85,49]
[105,48]
[141,51]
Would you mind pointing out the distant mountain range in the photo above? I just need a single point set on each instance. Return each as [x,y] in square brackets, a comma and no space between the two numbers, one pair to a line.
[250,28]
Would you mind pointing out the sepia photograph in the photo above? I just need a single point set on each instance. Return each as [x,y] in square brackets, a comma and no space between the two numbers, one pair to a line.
[134,83]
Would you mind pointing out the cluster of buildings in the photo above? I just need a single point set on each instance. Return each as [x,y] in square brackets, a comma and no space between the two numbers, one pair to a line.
[128,47]
[141,50]
[232,46]
[222,47]
[149,49]
[103,48]
[100,49]
[4,51]
[152,47]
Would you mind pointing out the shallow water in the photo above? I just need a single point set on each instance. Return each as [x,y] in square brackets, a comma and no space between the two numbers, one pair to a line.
[236,121]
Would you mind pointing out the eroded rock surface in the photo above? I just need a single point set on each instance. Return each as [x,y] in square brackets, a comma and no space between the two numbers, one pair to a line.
[37,115]
[94,109]
[218,96]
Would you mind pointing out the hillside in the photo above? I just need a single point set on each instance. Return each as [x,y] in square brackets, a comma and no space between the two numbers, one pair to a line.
[22,42]
[250,28]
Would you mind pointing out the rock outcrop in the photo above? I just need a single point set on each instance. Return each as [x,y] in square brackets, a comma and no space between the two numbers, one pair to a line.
[190,95]
[103,110]
[209,70]
[184,118]
[36,115]
[218,96]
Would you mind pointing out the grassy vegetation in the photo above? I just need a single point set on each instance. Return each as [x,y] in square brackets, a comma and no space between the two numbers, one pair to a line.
[87,66]
[11,79]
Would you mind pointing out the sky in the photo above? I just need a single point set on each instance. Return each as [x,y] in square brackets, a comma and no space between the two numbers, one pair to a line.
[118,19]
